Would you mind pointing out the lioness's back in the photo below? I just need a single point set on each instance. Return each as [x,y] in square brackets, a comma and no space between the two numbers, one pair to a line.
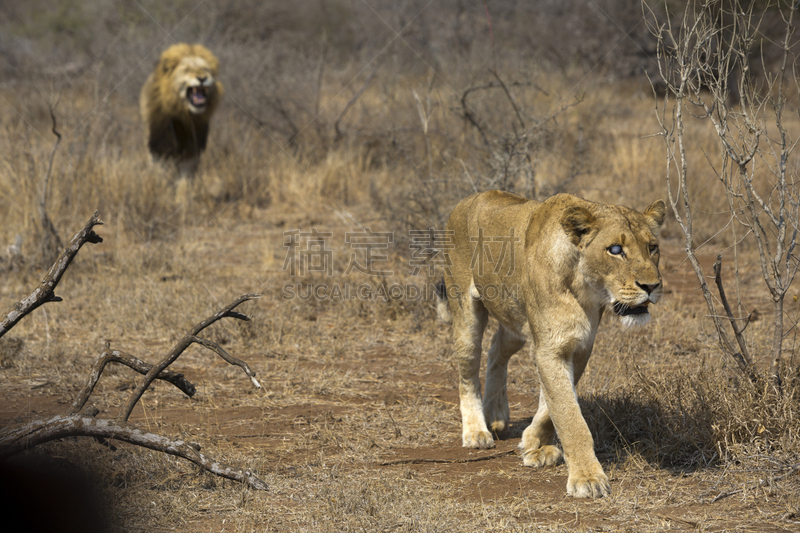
[489,213]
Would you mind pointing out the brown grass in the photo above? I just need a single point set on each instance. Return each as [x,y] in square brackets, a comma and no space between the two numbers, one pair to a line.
[353,384]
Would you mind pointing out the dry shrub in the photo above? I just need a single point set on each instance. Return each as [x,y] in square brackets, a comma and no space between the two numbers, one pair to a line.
[10,349]
[690,420]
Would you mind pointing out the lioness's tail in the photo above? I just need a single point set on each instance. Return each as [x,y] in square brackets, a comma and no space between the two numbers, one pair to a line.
[442,305]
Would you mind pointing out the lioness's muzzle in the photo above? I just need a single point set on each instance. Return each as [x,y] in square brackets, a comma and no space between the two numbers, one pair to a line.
[624,310]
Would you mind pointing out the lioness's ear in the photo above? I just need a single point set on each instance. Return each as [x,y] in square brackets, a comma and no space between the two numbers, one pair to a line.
[577,221]
[654,215]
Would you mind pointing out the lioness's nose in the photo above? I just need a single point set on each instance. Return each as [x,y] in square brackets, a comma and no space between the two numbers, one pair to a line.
[648,288]
[202,79]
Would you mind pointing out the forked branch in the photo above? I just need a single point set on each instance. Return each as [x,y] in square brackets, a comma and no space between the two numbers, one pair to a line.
[116,356]
[187,341]
[44,293]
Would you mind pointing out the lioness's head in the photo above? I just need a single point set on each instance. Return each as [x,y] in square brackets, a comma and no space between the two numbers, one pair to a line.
[189,75]
[619,255]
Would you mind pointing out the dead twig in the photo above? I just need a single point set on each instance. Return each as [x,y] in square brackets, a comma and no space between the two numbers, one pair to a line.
[690,523]
[50,242]
[350,104]
[418,460]
[792,470]
[742,357]
[44,293]
[510,97]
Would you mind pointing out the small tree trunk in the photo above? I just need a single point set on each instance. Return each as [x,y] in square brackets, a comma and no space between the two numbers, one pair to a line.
[777,342]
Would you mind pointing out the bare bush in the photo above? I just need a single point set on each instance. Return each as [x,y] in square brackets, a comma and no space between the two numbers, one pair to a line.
[712,43]
[700,56]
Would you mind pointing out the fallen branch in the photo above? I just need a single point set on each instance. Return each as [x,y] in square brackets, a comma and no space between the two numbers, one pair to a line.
[418,460]
[792,470]
[58,427]
[44,293]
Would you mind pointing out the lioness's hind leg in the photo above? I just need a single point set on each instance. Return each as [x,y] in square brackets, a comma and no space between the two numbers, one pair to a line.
[538,439]
[505,343]
[469,324]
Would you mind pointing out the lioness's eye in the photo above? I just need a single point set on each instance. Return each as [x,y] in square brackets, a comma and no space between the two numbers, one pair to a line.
[653,249]
[615,249]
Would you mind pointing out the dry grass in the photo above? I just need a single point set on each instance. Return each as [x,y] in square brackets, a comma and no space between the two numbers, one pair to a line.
[351,384]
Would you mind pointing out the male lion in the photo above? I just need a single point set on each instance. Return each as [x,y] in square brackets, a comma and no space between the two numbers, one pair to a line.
[546,271]
[177,102]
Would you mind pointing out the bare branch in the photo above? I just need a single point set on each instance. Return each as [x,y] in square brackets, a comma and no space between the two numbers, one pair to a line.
[742,357]
[481,125]
[710,48]
[350,104]
[510,98]
[20,438]
[228,358]
[227,311]
[50,242]
[115,356]
[45,292]
[181,346]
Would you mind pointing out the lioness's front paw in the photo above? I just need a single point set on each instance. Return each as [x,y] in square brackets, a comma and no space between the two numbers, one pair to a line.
[588,486]
[544,456]
[477,439]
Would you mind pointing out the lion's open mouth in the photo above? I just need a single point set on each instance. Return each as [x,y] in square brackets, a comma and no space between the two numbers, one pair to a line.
[197,96]
[625,310]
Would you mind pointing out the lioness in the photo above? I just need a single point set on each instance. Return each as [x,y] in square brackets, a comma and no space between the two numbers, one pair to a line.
[546,271]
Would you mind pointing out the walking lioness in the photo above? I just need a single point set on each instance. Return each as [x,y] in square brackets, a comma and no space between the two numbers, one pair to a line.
[546,271]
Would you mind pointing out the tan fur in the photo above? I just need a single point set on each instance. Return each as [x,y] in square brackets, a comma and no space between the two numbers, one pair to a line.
[559,279]
[177,130]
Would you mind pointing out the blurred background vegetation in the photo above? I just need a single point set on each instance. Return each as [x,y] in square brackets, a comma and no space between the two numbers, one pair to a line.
[457,96]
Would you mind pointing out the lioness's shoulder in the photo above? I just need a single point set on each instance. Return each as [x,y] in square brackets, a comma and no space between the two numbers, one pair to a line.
[491,209]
